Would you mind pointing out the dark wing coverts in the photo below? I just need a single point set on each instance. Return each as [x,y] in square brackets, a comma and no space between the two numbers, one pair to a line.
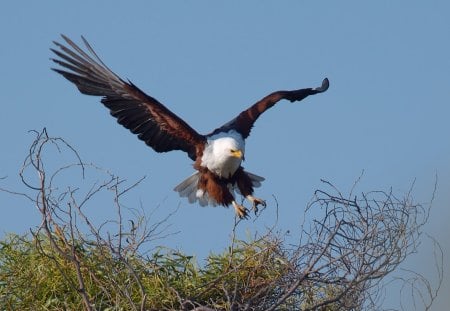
[244,122]
[143,115]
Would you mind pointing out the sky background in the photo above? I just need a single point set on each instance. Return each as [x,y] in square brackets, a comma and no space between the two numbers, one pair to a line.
[386,112]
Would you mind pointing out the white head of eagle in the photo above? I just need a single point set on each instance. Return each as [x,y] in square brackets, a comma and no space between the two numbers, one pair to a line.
[224,153]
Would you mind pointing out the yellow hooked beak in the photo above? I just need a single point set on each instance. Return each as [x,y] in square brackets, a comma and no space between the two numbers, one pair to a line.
[237,154]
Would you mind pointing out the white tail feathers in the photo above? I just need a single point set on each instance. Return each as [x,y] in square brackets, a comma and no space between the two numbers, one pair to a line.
[188,187]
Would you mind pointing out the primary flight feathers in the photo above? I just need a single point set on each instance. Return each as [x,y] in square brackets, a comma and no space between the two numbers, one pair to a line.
[217,155]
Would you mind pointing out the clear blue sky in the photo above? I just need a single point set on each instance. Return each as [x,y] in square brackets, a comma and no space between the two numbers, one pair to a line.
[386,111]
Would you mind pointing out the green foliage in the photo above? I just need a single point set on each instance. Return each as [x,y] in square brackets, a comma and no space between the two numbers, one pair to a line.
[344,253]
[33,276]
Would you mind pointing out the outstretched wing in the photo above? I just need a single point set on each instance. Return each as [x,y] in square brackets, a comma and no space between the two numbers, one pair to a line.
[143,115]
[243,123]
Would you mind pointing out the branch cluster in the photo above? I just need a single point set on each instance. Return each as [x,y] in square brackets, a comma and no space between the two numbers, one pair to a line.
[348,245]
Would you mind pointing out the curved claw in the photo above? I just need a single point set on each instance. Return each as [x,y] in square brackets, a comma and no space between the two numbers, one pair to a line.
[255,202]
[240,210]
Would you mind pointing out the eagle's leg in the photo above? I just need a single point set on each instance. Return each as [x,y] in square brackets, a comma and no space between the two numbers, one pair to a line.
[245,185]
[255,202]
[240,210]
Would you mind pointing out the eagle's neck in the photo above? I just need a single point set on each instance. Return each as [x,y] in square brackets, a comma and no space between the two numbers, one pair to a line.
[217,153]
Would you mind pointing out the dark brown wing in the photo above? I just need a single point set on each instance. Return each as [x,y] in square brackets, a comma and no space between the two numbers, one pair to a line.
[243,123]
[143,115]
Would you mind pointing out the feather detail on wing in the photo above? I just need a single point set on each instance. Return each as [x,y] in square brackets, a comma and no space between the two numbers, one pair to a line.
[244,122]
[142,114]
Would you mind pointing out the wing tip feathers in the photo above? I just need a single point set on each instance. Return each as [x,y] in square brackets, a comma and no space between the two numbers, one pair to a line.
[325,85]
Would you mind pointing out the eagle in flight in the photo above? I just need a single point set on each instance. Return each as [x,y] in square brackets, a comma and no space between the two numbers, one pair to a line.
[217,156]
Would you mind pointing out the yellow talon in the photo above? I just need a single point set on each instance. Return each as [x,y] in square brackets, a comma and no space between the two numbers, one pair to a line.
[240,210]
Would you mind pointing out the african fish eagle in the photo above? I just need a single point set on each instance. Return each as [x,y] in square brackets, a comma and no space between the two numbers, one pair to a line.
[217,156]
